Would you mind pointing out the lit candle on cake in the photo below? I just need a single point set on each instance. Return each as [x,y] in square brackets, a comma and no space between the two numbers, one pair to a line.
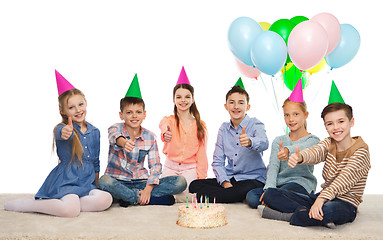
[214,201]
[201,201]
[187,202]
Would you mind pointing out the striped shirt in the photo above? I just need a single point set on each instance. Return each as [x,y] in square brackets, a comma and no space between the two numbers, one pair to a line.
[345,173]
[130,166]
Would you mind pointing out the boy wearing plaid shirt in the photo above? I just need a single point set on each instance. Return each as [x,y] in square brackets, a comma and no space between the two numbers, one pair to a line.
[126,178]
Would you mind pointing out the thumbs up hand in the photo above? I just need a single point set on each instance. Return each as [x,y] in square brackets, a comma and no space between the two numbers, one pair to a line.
[295,158]
[129,143]
[168,135]
[67,131]
[244,140]
[283,153]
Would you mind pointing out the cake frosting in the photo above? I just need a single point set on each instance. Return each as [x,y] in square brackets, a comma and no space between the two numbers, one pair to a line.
[205,217]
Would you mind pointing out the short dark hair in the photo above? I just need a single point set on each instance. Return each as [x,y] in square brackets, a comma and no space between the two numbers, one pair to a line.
[333,107]
[238,89]
[131,100]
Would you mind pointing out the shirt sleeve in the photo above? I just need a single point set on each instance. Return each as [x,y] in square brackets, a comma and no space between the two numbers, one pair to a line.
[202,161]
[259,142]
[97,154]
[316,153]
[356,168]
[219,159]
[154,164]
[115,132]
[309,142]
[274,165]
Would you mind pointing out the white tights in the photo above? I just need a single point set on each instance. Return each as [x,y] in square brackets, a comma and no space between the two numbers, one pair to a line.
[68,206]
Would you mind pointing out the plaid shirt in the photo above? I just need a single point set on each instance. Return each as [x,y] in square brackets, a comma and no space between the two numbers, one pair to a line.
[130,166]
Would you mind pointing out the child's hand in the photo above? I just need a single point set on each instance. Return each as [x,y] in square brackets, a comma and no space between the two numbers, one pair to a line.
[129,143]
[283,153]
[168,135]
[295,158]
[244,139]
[144,198]
[226,184]
[67,131]
[316,209]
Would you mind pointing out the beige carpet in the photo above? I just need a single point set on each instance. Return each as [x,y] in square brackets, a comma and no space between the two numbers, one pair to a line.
[159,222]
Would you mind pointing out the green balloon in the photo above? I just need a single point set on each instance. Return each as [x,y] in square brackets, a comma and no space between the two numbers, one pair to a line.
[292,76]
[299,19]
[283,27]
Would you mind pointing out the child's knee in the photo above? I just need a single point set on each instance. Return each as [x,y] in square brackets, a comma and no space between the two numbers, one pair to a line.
[269,194]
[105,181]
[69,212]
[253,196]
[181,183]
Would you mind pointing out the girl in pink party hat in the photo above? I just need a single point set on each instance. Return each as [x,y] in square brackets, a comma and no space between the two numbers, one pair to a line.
[185,137]
[279,174]
[70,188]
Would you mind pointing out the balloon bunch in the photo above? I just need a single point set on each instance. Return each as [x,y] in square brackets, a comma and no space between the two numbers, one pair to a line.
[292,45]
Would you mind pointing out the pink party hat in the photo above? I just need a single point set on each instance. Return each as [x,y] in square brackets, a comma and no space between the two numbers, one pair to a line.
[62,84]
[297,94]
[183,78]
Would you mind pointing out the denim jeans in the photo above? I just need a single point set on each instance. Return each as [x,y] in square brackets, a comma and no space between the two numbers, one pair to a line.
[128,191]
[253,196]
[336,210]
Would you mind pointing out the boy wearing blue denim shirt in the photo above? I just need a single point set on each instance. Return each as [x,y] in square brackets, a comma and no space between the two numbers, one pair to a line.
[242,142]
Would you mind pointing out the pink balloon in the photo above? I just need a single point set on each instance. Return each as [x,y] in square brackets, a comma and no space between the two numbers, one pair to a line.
[332,26]
[248,71]
[307,44]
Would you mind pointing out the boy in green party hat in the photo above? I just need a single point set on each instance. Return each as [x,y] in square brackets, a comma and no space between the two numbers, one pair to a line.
[126,177]
[346,166]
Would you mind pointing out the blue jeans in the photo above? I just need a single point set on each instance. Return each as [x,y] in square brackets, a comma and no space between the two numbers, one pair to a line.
[128,191]
[336,210]
[253,196]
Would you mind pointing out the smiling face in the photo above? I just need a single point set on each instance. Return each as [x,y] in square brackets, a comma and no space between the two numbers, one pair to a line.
[75,108]
[237,106]
[133,115]
[183,99]
[294,116]
[338,125]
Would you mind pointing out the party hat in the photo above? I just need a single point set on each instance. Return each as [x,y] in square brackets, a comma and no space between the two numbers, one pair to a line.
[183,78]
[239,83]
[62,84]
[297,94]
[134,89]
[335,96]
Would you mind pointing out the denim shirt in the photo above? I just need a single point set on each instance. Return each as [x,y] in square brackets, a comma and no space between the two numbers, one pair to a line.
[90,141]
[243,163]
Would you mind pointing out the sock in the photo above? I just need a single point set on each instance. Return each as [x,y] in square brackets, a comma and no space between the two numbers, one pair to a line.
[122,203]
[274,214]
[260,209]
[162,200]
[330,225]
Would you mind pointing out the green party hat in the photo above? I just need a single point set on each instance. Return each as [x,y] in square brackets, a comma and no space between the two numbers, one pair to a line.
[335,96]
[239,83]
[134,89]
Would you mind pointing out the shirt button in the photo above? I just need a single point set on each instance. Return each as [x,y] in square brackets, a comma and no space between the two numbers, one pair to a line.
[236,133]
[237,144]
[88,155]
[235,154]
[235,165]
[87,146]
[179,163]
[84,137]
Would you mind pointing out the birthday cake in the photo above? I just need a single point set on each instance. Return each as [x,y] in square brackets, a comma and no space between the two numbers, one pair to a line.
[204,216]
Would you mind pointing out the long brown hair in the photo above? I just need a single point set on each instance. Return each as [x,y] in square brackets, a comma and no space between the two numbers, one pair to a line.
[77,149]
[302,105]
[201,131]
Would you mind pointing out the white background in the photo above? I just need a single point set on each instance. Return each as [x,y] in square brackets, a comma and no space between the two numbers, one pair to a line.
[99,45]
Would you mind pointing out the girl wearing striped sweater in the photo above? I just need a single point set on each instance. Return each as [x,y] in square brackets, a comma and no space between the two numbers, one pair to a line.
[347,162]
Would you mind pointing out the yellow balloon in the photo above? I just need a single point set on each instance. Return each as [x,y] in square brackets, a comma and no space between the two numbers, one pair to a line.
[317,67]
[287,67]
[265,25]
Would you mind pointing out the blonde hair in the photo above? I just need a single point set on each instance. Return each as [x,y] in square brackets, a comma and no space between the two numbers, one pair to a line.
[302,105]
[77,149]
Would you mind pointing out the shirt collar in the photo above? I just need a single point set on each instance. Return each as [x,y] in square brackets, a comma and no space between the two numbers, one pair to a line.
[242,124]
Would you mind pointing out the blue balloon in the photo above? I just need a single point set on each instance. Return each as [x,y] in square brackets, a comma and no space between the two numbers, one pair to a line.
[242,33]
[269,52]
[347,47]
